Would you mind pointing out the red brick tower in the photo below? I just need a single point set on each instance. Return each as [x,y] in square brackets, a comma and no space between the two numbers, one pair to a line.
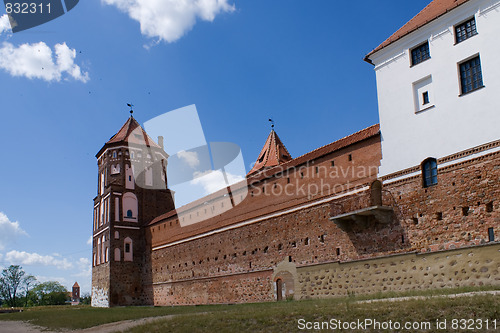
[132,190]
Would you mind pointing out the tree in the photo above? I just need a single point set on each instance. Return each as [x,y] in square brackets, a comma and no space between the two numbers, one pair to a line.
[29,280]
[10,281]
[85,299]
[49,293]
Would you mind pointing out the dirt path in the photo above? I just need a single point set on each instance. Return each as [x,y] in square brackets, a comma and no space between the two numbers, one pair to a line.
[24,327]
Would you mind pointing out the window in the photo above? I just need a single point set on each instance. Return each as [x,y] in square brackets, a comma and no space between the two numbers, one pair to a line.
[471,77]
[491,235]
[425,98]
[429,172]
[420,53]
[465,30]
[129,213]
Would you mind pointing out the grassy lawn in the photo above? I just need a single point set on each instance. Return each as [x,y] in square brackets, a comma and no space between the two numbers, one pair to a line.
[273,316]
[284,316]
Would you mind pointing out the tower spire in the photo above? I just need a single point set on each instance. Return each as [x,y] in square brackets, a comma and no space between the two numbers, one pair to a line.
[272,154]
[131,110]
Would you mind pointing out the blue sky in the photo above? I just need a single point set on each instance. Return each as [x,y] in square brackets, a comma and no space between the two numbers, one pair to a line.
[240,62]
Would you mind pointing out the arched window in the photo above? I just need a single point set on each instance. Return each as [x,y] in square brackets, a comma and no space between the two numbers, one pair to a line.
[129,204]
[128,253]
[429,172]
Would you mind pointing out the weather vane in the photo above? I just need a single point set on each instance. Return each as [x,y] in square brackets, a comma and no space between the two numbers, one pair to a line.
[272,123]
[130,105]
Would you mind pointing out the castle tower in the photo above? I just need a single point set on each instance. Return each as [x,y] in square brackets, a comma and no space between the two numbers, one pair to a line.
[272,154]
[75,294]
[132,190]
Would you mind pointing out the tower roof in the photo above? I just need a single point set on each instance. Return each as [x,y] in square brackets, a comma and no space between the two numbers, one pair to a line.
[274,153]
[76,285]
[138,137]
[431,12]
[131,133]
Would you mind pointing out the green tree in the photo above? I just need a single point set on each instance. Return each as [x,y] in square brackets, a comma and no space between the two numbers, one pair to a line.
[11,280]
[85,299]
[28,281]
[49,293]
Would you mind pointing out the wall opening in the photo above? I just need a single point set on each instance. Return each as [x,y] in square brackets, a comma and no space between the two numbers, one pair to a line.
[279,290]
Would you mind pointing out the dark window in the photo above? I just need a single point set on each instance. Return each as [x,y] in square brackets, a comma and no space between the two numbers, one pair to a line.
[129,213]
[429,172]
[491,235]
[420,53]
[127,248]
[425,97]
[465,30]
[471,77]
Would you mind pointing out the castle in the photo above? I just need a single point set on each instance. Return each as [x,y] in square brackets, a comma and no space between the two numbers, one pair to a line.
[410,203]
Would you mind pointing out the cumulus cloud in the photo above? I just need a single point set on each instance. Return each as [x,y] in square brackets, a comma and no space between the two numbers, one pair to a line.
[25,258]
[9,230]
[36,61]
[189,157]
[84,268]
[213,181]
[4,24]
[169,20]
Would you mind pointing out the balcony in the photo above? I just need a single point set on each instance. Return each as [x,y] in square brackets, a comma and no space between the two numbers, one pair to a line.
[364,209]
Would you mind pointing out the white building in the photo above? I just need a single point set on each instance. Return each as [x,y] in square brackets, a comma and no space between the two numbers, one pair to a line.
[438,82]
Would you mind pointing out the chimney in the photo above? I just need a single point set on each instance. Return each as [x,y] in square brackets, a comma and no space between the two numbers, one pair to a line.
[160,141]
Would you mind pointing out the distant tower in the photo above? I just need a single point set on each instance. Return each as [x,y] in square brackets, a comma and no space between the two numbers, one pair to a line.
[75,294]
[127,200]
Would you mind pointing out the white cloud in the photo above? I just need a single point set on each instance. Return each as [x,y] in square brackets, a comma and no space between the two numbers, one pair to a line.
[9,230]
[84,268]
[37,61]
[169,20]
[190,157]
[25,258]
[4,23]
[213,181]
[89,241]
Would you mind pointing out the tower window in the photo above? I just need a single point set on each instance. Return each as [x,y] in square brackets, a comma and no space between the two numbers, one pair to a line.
[425,98]
[465,30]
[420,53]
[429,172]
[491,235]
[471,77]
[129,213]
[127,248]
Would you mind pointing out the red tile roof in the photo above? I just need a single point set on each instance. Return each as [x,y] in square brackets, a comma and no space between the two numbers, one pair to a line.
[131,133]
[139,136]
[433,10]
[272,154]
[349,140]
[329,148]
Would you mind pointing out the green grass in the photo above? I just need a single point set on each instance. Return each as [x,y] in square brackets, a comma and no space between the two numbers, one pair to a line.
[284,316]
[78,317]
[272,316]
